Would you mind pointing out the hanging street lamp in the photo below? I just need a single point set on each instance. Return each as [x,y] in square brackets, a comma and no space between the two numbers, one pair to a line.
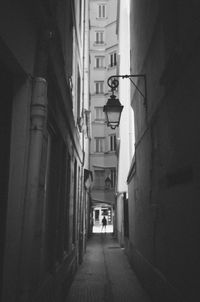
[113,107]
[113,110]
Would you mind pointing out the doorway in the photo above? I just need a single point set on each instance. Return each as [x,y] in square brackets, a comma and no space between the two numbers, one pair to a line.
[6,96]
[98,213]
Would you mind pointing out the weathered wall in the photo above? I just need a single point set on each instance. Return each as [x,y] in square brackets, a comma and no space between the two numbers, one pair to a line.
[164,191]
[41,244]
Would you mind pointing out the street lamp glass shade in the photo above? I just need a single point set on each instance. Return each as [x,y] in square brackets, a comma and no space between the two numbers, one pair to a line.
[113,110]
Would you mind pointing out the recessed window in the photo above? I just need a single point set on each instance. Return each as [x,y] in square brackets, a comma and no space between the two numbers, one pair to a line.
[88,123]
[80,12]
[101,11]
[99,144]
[99,62]
[78,101]
[113,177]
[112,142]
[113,59]
[99,37]
[99,114]
[99,178]
[99,87]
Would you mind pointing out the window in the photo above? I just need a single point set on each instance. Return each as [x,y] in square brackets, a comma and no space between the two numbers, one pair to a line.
[113,142]
[67,205]
[78,95]
[74,202]
[113,177]
[96,215]
[99,37]
[99,87]
[80,12]
[101,11]
[88,123]
[113,59]
[99,178]
[99,114]
[99,144]
[99,62]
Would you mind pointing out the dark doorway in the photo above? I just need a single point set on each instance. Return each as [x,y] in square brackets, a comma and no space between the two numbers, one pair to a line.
[6,95]
[126,217]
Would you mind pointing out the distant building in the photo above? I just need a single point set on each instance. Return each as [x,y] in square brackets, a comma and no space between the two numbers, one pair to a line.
[103,63]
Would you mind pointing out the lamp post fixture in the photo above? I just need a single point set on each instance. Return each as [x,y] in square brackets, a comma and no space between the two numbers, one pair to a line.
[113,110]
[113,107]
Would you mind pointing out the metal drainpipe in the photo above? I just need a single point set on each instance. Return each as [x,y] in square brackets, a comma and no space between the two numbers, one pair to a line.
[33,206]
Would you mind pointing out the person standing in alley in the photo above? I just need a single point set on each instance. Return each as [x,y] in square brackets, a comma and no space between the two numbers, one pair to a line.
[104,223]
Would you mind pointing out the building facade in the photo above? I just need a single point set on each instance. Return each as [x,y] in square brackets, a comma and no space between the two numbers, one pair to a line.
[103,63]
[163,182]
[44,136]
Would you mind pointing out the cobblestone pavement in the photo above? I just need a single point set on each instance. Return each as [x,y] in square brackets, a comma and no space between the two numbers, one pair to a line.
[105,275]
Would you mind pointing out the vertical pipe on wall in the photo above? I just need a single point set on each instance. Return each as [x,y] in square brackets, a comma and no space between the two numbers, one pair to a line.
[33,207]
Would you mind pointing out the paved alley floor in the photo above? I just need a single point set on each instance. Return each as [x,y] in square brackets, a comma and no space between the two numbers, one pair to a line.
[105,275]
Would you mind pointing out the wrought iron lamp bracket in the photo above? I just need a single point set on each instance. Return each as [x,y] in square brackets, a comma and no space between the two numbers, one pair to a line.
[113,83]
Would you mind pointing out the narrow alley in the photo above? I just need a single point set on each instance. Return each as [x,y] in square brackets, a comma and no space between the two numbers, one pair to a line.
[105,274]
[99,130]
